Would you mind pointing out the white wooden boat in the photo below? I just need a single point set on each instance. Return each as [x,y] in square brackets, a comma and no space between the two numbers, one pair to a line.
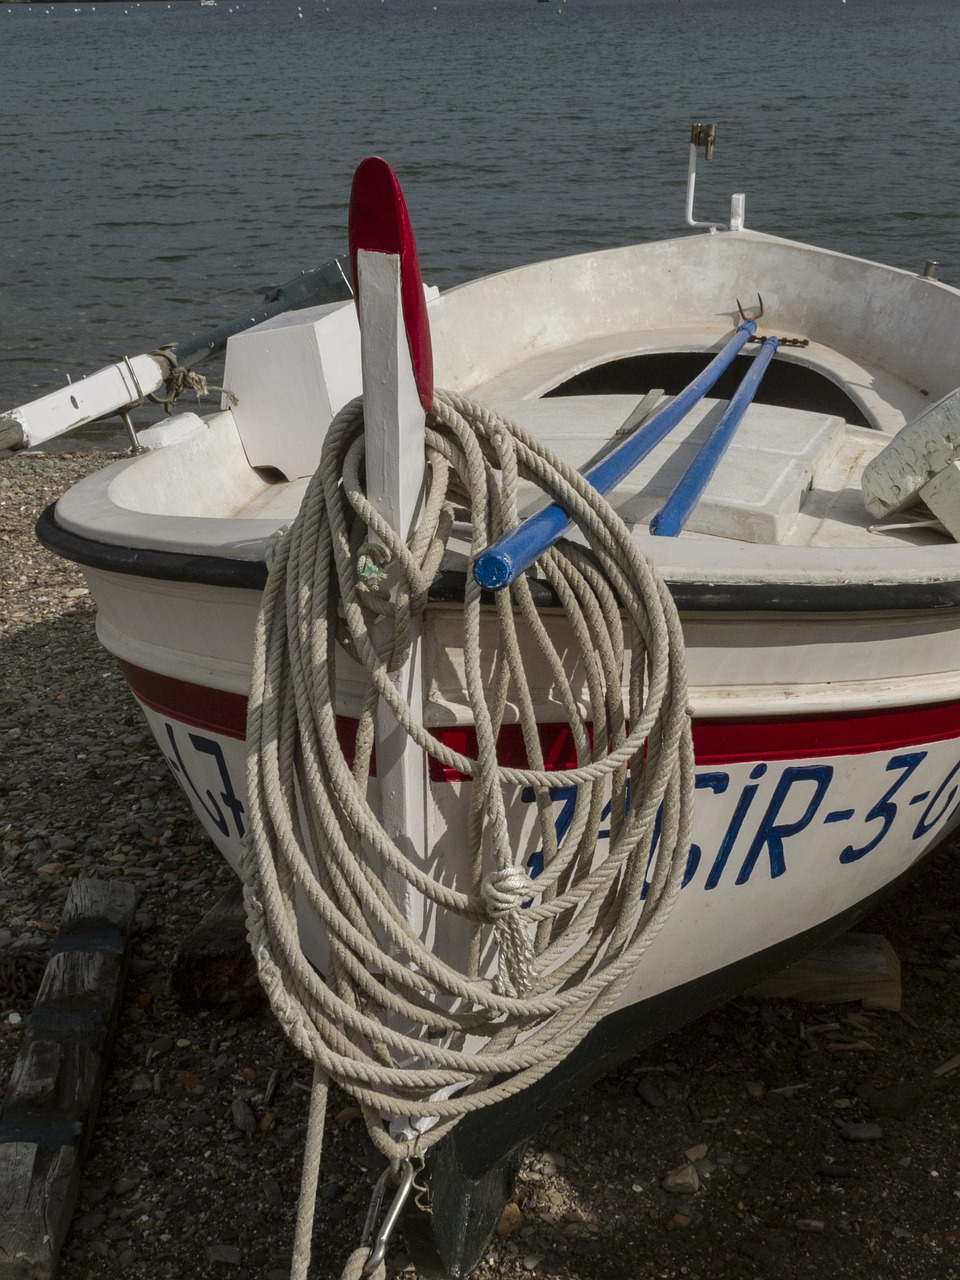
[821,639]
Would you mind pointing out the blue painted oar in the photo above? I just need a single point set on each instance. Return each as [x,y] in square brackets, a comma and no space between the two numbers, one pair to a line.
[506,559]
[675,512]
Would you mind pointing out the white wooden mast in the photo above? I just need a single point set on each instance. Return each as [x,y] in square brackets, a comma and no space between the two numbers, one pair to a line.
[394,339]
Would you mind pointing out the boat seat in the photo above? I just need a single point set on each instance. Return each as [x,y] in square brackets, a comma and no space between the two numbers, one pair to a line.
[754,495]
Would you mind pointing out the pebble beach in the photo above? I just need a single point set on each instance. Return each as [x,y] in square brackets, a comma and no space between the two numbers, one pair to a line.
[770,1138]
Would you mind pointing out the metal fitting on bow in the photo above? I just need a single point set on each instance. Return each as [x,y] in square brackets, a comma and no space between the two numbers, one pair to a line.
[372,561]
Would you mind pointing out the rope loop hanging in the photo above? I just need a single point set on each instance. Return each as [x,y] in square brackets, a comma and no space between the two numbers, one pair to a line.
[543,952]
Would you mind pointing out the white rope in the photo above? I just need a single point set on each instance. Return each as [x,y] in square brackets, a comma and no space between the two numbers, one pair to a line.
[397,1026]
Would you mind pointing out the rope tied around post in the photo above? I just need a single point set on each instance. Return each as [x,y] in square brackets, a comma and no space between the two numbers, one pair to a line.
[532,961]
[179,379]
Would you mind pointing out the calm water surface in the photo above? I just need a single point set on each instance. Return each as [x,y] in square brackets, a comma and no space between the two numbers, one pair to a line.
[164,164]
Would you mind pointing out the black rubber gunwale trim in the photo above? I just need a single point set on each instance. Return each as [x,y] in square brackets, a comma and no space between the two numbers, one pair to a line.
[448,587]
[145,562]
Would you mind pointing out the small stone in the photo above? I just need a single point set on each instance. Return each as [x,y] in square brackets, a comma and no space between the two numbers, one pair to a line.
[273,1193]
[227,1255]
[511,1220]
[163,1044]
[681,1220]
[531,1261]
[809,1224]
[649,1093]
[696,1153]
[864,1132]
[755,1088]
[896,1101]
[683,1181]
[243,1117]
[347,1115]
[936,976]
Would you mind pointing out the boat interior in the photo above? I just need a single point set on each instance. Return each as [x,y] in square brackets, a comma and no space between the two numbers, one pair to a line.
[567,349]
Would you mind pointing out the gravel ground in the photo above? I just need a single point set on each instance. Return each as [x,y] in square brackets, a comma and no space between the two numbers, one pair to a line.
[803,1151]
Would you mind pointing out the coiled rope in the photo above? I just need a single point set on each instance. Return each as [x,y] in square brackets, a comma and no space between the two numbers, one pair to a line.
[394,1024]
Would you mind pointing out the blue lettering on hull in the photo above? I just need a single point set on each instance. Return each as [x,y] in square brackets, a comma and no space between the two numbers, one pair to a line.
[760,831]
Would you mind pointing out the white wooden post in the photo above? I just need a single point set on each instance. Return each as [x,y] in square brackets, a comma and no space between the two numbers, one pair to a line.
[394,446]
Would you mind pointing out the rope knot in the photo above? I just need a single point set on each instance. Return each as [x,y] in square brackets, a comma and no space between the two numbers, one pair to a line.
[505,890]
[180,379]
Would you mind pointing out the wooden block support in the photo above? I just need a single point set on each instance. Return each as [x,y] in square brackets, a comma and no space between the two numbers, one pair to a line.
[215,965]
[856,966]
[54,1091]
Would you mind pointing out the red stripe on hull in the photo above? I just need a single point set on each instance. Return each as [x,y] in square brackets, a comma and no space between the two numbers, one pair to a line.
[715,741]
[215,710]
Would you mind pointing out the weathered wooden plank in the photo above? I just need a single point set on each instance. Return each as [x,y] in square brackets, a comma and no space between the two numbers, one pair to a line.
[856,966]
[214,964]
[51,1101]
[36,1182]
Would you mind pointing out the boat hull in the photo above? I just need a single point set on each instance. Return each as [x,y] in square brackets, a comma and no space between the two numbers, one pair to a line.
[801,824]
[799,815]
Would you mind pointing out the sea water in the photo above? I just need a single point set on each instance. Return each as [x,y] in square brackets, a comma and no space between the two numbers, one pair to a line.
[164,164]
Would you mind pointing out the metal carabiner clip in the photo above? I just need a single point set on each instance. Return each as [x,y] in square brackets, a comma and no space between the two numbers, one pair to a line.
[403,1175]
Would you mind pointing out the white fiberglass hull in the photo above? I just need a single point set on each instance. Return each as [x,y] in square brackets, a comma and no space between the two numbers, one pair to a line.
[810,798]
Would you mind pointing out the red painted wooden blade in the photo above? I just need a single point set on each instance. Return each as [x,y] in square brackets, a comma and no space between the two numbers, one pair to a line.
[379,223]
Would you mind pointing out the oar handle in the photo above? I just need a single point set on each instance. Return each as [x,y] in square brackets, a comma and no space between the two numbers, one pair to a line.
[498,565]
[675,512]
